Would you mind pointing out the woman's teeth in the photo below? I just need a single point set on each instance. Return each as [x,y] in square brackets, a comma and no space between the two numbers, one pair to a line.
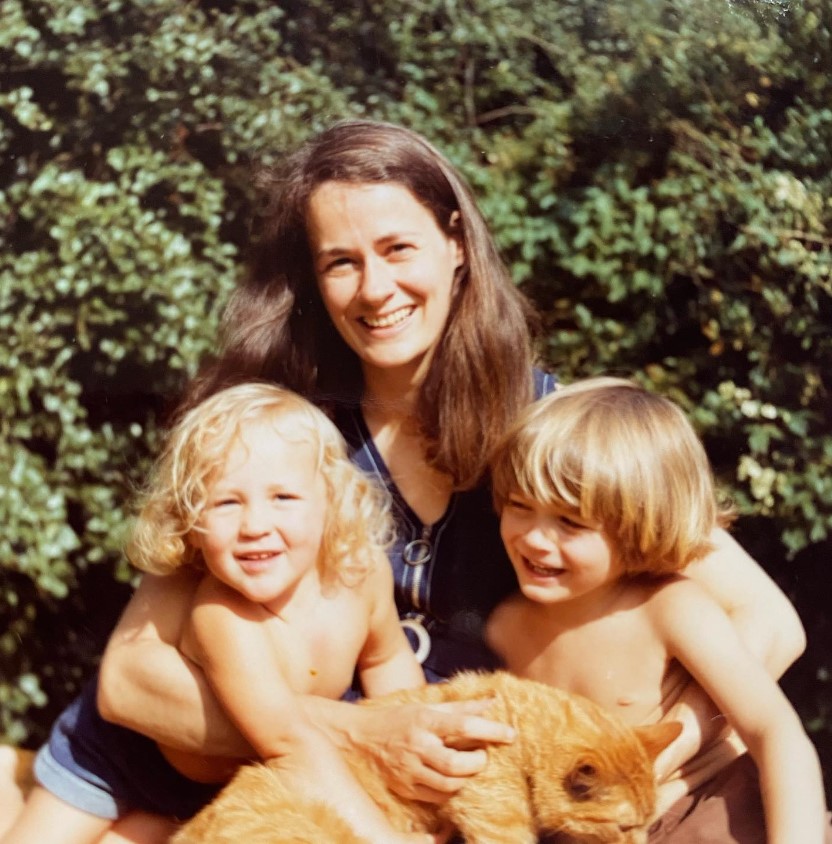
[390,319]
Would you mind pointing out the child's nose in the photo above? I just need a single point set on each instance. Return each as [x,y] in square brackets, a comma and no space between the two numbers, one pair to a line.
[255,521]
[541,536]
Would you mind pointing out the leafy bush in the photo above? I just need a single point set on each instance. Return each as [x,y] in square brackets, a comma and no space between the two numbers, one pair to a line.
[657,174]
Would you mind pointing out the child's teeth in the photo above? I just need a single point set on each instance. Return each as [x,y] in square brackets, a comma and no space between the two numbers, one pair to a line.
[543,569]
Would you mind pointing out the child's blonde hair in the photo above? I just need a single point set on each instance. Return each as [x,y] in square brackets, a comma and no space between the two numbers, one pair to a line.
[356,526]
[623,458]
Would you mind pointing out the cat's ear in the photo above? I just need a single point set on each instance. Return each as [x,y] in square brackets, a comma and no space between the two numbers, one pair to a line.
[656,737]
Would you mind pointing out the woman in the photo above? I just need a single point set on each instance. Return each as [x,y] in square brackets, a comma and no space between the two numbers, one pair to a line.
[377,291]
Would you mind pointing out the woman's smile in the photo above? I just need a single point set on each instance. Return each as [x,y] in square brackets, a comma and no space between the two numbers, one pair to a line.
[394,318]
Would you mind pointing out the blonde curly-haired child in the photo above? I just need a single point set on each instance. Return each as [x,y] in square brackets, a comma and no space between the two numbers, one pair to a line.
[255,490]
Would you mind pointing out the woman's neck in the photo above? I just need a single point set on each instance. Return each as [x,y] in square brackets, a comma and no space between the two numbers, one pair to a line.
[389,408]
[390,395]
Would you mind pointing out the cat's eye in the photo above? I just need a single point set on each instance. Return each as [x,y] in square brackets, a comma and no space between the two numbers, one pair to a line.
[581,780]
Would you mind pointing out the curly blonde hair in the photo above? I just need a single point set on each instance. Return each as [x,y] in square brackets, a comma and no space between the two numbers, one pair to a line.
[357,526]
[622,457]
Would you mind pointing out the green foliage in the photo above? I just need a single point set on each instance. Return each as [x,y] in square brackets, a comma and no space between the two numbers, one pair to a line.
[123,128]
[657,174]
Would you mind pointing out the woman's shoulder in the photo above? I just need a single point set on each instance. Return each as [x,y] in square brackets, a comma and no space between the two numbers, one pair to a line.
[544,383]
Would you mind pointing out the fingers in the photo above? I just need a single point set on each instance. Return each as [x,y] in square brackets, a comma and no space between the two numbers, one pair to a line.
[429,752]
[459,725]
[452,764]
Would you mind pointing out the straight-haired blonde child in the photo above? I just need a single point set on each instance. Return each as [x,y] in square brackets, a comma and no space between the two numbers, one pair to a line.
[606,496]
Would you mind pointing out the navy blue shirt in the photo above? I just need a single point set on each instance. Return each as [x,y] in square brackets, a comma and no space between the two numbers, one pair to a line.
[449,575]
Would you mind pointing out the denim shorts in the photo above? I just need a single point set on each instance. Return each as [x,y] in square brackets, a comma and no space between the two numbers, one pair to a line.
[107,771]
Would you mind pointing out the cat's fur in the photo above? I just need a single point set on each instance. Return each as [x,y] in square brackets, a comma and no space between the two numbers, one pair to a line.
[573,769]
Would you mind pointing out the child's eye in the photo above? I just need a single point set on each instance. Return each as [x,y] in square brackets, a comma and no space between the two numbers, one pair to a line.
[285,496]
[571,523]
[223,502]
[518,503]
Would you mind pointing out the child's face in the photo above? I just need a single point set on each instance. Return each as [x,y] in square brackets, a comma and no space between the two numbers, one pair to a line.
[260,532]
[557,556]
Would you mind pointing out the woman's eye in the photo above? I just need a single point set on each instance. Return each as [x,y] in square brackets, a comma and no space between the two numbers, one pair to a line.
[402,248]
[337,265]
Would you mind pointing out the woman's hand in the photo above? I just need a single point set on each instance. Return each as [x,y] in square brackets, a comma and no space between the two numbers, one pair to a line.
[427,752]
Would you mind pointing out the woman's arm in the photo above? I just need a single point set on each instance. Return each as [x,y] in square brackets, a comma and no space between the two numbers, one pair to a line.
[763,617]
[702,638]
[147,685]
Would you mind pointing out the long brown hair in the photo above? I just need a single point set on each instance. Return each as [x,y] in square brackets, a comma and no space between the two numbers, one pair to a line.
[275,325]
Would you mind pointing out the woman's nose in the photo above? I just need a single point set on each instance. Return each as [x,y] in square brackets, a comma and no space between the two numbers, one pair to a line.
[377,280]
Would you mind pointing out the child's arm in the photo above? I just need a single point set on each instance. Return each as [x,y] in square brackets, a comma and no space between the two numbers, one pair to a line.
[386,663]
[242,666]
[700,635]
[764,620]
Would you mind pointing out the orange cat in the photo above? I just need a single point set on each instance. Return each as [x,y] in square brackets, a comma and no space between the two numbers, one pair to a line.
[573,769]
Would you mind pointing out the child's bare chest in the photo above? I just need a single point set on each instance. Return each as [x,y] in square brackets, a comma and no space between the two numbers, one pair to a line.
[615,662]
[318,648]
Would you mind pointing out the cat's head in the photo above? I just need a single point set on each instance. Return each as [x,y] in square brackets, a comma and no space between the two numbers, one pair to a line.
[599,788]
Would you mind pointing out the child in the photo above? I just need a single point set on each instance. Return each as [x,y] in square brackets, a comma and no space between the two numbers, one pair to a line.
[605,495]
[255,489]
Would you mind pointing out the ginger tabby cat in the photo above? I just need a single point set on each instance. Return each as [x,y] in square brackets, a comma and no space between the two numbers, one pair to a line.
[573,770]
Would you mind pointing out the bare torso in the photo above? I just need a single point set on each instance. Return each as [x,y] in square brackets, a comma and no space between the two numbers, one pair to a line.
[316,644]
[615,659]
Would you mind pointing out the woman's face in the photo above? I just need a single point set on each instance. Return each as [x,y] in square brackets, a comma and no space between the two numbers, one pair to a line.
[385,271]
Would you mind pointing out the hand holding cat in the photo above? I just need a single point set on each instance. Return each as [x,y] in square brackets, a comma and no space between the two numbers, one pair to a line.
[428,752]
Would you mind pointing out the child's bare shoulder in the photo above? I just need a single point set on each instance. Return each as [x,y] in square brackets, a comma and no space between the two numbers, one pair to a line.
[677,600]
[375,584]
[504,619]
[213,599]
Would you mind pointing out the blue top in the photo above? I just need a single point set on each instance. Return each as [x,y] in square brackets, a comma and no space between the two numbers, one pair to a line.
[449,575]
